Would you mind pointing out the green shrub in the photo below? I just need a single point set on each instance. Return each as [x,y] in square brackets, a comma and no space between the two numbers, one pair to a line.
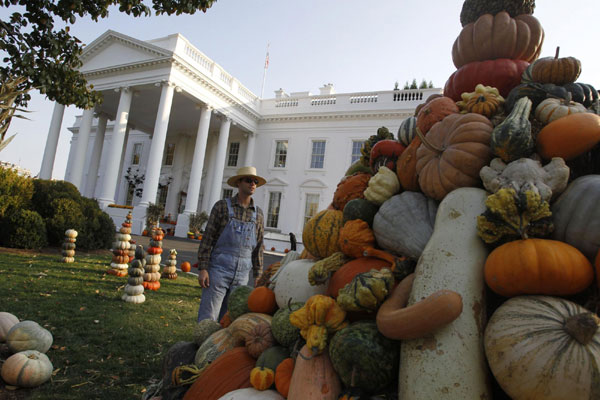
[23,229]
[15,191]
[98,231]
[67,214]
[45,191]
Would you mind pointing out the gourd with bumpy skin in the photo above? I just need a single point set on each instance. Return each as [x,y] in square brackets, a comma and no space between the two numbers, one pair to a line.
[453,259]
[527,174]
[367,291]
[541,347]
[576,215]
[363,357]
[321,270]
[512,139]
[283,331]
[204,329]
[237,302]
[382,186]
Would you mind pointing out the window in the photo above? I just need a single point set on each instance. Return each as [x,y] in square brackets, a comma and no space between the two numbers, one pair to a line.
[281,147]
[161,196]
[130,192]
[356,146]
[137,154]
[273,212]
[310,207]
[169,153]
[227,193]
[317,157]
[234,151]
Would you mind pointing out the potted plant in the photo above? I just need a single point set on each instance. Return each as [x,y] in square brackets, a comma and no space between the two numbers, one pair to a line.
[153,214]
[197,220]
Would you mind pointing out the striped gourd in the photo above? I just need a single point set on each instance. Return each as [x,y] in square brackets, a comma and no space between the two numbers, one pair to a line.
[214,346]
[542,347]
[407,130]
[321,232]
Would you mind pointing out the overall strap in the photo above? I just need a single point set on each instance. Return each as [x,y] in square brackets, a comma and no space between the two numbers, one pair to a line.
[254,214]
[229,208]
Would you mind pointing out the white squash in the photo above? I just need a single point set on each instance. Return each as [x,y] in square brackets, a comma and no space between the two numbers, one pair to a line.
[450,363]
[7,321]
[252,394]
[292,283]
[29,335]
[542,347]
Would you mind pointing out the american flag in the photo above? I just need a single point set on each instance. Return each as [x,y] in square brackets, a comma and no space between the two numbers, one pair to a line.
[267,58]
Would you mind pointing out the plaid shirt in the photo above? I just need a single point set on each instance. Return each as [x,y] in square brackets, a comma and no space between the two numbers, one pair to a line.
[219,217]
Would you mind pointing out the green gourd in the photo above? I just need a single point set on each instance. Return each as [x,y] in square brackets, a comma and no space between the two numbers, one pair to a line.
[512,139]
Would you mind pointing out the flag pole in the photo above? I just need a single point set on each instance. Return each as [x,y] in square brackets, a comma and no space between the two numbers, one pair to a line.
[262,89]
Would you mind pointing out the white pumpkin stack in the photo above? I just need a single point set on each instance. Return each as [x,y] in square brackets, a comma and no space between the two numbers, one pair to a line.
[134,290]
[170,269]
[28,366]
[153,258]
[120,258]
[68,247]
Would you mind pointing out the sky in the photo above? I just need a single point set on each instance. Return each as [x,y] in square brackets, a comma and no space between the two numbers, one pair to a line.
[356,45]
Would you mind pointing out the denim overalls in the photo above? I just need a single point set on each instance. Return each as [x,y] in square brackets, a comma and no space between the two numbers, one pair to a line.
[230,265]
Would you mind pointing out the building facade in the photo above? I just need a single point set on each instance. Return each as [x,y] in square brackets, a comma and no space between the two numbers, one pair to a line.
[175,117]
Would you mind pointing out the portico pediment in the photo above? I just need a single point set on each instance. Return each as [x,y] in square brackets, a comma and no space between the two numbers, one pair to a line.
[313,184]
[114,49]
[276,182]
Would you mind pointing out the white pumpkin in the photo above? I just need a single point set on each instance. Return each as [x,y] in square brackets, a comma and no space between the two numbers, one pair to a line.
[137,299]
[28,368]
[252,394]
[542,347]
[552,109]
[7,321]
[292,283]
[450,363]
[71,233]
[29,335]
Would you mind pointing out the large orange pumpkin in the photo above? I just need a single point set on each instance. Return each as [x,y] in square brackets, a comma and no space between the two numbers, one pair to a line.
[321,232]
[406,167]
[537,266]
[350,187]
[435,111]
[570,136]
[453,153]
[348,271]
[227,373]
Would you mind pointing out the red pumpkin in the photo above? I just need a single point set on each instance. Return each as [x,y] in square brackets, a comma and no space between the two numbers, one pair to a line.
[503,74]
[348,271]
[435,111]
[154,250]
[385,153]
[186,267]
[262,300]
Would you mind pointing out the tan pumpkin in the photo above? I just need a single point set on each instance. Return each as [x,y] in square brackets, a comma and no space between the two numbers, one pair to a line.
[314,378]
[541,347]
[553,108]
[499,36]
[7,321]
[556,70]
[29,335]
[453,153]
[28,368]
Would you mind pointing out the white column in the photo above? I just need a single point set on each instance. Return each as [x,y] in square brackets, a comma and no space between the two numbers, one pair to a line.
[111,170]
[52,141]
[176,172]
[193,189]
[249,157]
[83,138]
[158,146]
[121,183]
[92,175]
[217,172]
[207,181]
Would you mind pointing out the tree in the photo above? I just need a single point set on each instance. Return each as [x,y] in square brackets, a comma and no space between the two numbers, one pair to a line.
[413,84]
[48,57]
[135,180]
[430,86]
[423,84]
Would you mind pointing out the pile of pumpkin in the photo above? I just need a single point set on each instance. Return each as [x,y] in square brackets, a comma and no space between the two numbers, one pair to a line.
[28,342]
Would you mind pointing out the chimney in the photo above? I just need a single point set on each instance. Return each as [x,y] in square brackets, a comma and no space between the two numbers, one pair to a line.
[327,89]
[280,93]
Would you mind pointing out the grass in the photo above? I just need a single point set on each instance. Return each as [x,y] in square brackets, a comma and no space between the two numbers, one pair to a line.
[103,347]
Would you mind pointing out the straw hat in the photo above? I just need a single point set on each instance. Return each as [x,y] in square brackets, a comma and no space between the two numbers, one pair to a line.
[244,172]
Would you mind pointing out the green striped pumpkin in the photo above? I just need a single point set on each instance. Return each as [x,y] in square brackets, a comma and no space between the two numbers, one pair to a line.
[321,232]
[542,347]
[216,344]
[407,130]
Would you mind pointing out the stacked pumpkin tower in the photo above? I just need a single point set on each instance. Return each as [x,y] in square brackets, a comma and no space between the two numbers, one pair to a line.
[68,246]
[153,258]
[485,204]
[121,245]
[134,290]
[170,269]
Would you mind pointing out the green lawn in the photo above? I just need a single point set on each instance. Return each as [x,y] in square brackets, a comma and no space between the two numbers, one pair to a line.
[103,347]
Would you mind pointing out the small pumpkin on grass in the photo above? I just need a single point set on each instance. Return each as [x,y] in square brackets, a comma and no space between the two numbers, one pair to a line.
[27,369]
[7,321]
[29,335]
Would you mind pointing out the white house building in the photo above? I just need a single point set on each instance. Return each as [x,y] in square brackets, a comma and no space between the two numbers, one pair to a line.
[175,116]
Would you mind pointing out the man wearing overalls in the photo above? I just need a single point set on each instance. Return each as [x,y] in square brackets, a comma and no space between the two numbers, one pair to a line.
[231,251]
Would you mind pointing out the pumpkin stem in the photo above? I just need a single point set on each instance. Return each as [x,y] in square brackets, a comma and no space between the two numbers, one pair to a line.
[307,358]
[582,327]
[426,142]
[382,255]
[557,51]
